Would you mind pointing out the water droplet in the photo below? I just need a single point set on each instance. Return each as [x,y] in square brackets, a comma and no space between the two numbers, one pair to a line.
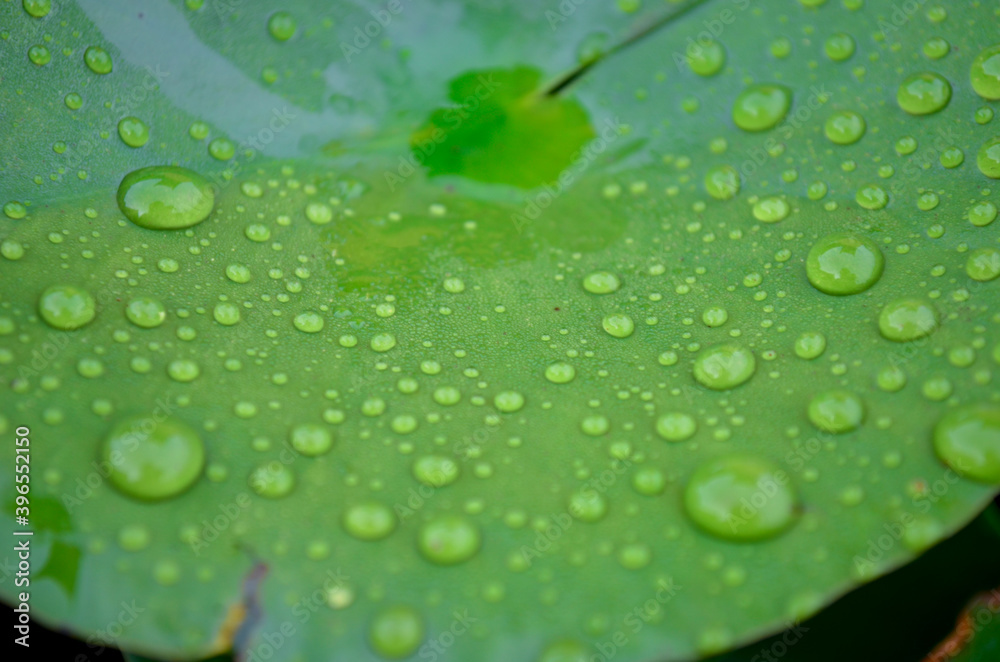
[923,94]
[309,322]
[565,650]
[39,55]
[435,470]
[839,47]
[844,127]
[618,325]
[676,426]
[508,401]
[222,149]
[447,395]
[273,480]
[66,307]
[988,158]
[311,439]
[810,345]
[844,263]
[985,73]
[595,426]
[15,210]
[369,521]
[635,556]
[588,505]
[904,320]
[649,481]
[98,60]
[705,57]
[454,285]
[133,538]
[396,632]
[198,130]
[226,314]
[722,182]
[983,213]
[238,273]
[740,498]
[724,366]
[183,370]
[165,197]
[601,282]
[968,441]
[37,8]
[983,264]
[836,411]
[383,342]
[153,459]
[281,25]
[560,373]
[133,131]
[319,213]
[771,209]
[760,107]
[90,367]
[872,197]
[936,48]
[449,540]
[145,312]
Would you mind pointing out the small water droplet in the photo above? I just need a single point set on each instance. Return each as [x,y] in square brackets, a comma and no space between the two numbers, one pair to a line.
[760,107]
[724,367]
[449,540]
[968,441]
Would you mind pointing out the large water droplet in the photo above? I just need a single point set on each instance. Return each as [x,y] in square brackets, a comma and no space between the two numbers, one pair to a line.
[740,498]
[560,373]
[988,158]
[153,459]
[273,480]
[311,439]
[844,263]
[281,25]
[923,93]
[396,632]
[844,127]
[98,60]
[724,366]
[133,131]
[968,441]
[836,411]
[676,426]
[601,282]
[165,197]
[722,182]
[66,307]
[904,320]
[760,107]
[449,539]
[369,521]
[618,325]
[985,73]
[145,312]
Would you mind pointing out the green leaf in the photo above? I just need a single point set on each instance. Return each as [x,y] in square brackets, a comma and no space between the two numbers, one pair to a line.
[686,329]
